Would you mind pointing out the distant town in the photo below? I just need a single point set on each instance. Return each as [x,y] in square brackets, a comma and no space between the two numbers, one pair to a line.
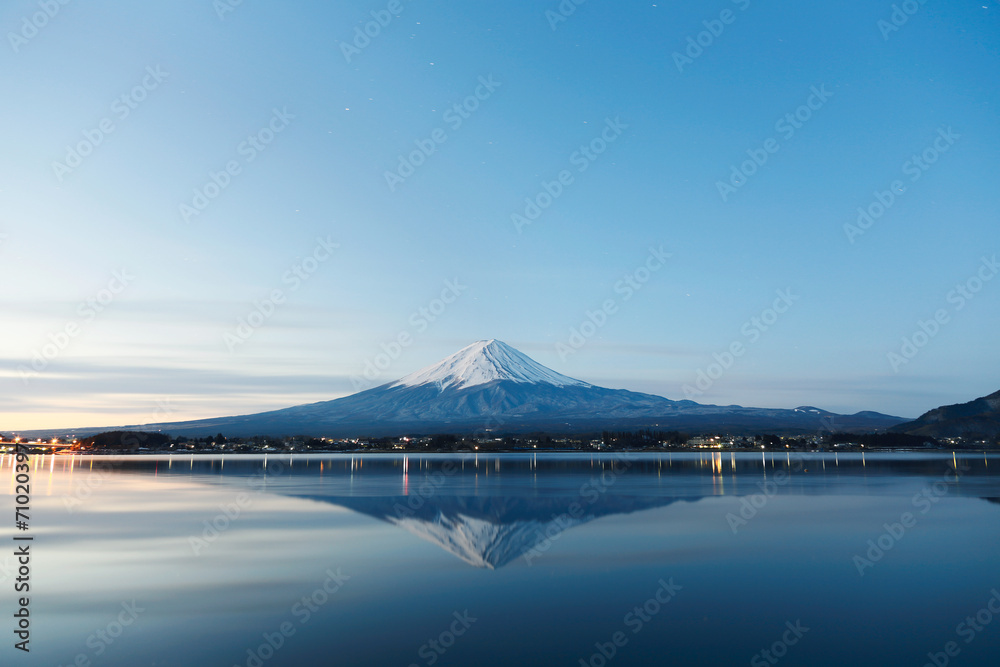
[139,442]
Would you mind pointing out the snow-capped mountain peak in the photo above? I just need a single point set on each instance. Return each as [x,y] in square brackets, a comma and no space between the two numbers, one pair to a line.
[482,362]
[484,543]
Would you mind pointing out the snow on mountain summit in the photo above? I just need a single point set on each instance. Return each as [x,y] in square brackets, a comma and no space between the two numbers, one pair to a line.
[483,362]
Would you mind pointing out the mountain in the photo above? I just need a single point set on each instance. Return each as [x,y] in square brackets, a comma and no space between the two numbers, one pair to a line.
[491,387]
[484,362]
[493,531]
[976,419]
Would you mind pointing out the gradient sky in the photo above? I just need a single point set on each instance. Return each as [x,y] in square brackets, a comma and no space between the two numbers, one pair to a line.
[157,350]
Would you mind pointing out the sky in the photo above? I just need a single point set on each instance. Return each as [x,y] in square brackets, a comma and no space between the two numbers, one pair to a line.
[214,208]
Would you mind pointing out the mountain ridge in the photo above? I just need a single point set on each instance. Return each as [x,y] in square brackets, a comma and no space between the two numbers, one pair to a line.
[490,387]
[979,417]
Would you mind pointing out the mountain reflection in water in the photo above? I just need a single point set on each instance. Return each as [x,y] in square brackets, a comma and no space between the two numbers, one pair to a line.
[490,510]
[549,552]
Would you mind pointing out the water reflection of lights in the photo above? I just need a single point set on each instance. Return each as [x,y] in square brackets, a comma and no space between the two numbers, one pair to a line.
[718,482]
[52,466]
[717,464]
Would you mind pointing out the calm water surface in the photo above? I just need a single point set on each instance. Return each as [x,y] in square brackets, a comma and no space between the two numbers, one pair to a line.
[682,559]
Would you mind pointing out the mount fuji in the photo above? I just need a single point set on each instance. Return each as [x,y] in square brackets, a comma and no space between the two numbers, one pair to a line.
[489,531]
[490,386]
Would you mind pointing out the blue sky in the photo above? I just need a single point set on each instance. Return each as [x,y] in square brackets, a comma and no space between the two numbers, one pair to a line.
[124,289]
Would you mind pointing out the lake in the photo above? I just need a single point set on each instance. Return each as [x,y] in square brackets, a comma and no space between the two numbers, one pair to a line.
[513,559]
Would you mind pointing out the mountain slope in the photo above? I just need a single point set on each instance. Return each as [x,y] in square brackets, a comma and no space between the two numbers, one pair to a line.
[490,386]
[976,419]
